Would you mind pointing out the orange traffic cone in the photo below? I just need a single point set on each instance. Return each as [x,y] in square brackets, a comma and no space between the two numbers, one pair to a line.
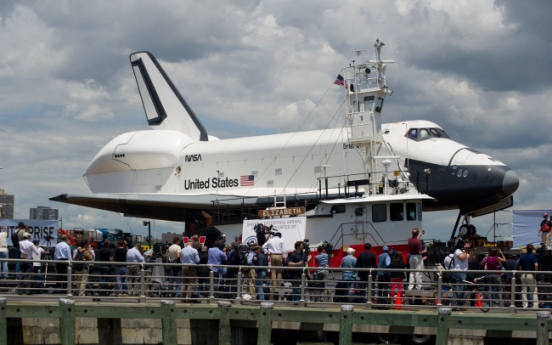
[478,303]
[398,301]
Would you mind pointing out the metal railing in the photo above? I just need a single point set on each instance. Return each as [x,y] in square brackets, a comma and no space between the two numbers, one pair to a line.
[305,286]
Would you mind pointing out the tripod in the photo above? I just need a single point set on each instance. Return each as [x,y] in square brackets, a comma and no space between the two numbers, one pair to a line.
[47,243]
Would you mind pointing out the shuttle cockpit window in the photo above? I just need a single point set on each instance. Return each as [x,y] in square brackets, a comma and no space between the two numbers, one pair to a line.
[424,134]
[368,103]
[439,133]
[419,134]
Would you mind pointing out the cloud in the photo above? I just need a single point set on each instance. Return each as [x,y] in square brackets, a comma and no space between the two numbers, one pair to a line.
[478,69]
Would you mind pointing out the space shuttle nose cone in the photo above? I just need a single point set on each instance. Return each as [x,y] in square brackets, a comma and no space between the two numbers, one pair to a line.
[510,183]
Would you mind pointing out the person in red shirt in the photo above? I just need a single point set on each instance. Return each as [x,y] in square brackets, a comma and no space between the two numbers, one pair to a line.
[416,259]
[544,231]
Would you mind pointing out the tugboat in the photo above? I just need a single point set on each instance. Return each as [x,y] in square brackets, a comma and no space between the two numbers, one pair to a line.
[379,204]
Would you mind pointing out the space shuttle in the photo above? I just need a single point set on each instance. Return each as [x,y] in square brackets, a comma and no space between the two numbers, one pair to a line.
[176,171]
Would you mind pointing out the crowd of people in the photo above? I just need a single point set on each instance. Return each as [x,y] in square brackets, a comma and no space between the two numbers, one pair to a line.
[498,267]
[188,273]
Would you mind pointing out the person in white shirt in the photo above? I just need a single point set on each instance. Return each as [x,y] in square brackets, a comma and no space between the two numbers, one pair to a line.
[189,257]
[4,253]
[276,250]
[37,266]
[461,263]
[28,251]
[175,272]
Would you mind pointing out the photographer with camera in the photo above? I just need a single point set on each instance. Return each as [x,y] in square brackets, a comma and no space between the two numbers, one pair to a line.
[262,231]
[416,259]
[276,249]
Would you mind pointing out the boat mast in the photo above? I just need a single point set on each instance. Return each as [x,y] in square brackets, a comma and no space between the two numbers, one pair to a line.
[365,92]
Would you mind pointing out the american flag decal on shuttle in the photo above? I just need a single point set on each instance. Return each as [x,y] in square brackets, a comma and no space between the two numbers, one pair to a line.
[247,180]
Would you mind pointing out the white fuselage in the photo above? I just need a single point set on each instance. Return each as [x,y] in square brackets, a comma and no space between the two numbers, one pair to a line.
[168,162]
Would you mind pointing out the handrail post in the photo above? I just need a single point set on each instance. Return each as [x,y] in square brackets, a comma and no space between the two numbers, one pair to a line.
[369,291]
[439,291]
[303,280]
[69,279]
[512,307]
[142,284]
[211,286]
[239,286]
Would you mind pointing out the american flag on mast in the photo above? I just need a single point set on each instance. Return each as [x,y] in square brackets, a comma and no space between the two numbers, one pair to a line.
[247,180]
[339,80]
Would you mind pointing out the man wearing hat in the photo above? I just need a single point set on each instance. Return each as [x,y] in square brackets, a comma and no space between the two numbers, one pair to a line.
[544,231]
[349,261]
[384,260]
[28,251]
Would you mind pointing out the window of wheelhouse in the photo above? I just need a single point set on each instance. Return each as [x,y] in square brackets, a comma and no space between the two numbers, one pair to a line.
[396,211]
[368,103]
[379,105]
[356,106]
[379,213]
[411,211]
[419,211]
[337,209]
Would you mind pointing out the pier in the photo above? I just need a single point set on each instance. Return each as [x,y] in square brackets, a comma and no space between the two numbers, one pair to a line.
[433,315]
[70,322]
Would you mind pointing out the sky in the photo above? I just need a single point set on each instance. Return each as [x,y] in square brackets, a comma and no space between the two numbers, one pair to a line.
[479,69]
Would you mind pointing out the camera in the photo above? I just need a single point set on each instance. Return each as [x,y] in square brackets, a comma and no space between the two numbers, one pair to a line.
[328,247]
[159,250]
[261,228]
[307,245]
[243,249]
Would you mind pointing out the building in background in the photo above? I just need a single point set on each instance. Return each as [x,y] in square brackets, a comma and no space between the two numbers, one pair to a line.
[7,202]
[43,213]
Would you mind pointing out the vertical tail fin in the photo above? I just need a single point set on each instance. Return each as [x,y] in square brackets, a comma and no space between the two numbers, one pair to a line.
[164,106]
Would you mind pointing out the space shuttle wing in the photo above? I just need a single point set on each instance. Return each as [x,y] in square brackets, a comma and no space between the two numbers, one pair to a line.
[176,207]
[172,207]
[164,106]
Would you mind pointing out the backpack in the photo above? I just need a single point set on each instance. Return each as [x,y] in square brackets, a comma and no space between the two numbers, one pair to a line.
[15,238]
[243,259]
[82,255]
[449,277]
